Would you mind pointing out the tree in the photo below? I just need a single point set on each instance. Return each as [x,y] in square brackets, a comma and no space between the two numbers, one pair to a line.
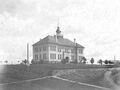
[100,61]
[110,62]
[63,61]
[84,60]
[66,60]
[106,62]
[25,61]
[33,62]
[6,61]
[92,60]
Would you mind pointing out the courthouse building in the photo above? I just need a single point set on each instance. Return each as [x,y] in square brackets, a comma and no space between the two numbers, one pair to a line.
[55,48]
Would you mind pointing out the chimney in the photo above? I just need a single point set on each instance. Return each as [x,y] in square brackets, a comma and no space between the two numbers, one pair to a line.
[28,52]
[74,41]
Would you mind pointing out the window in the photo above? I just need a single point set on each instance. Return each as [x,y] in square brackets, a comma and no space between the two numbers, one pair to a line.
[80,57]
[36,57]
[59,49]
[80,51]
[52,56]
[53,48]
[44,56]
[72,57]
[40,49]
[59,56]
[66,50]
[44,48]
[72,50]
[40,57]
[36,49]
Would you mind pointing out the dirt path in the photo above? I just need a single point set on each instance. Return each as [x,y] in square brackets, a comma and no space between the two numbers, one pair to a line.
[110,80]
[23,81]
[102,88]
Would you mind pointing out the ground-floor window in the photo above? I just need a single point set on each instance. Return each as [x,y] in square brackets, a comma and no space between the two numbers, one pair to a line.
[36,57]
[72,57]
[80,57]
[44,56]
[52,56]
[40,57]
[59,56]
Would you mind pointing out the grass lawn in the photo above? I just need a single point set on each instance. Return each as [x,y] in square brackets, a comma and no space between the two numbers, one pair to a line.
[12,73]
[92,74]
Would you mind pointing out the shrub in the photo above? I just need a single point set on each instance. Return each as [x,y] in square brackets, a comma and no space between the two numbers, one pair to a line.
[92,60]
[64,61]
[106,62]
[84,60]
[100,61]
[74,62]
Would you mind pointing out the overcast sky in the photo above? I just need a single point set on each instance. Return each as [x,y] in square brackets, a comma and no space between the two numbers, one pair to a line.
[94,23]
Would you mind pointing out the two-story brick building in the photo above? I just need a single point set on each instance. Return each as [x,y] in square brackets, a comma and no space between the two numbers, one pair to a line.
[55,48]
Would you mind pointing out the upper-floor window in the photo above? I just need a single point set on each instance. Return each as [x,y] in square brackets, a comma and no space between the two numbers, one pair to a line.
[67,50]
[59,49]
[40,49]
[44,48]
[72,51]
[80,51]
[52,48]
[36,49]
[52,56]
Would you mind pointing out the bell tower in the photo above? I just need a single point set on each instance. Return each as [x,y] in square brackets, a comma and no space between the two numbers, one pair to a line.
[58,33]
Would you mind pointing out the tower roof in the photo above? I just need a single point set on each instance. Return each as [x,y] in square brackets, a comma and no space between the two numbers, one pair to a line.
[58,30]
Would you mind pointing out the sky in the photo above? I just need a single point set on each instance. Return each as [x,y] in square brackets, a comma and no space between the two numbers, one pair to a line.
[94,23]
